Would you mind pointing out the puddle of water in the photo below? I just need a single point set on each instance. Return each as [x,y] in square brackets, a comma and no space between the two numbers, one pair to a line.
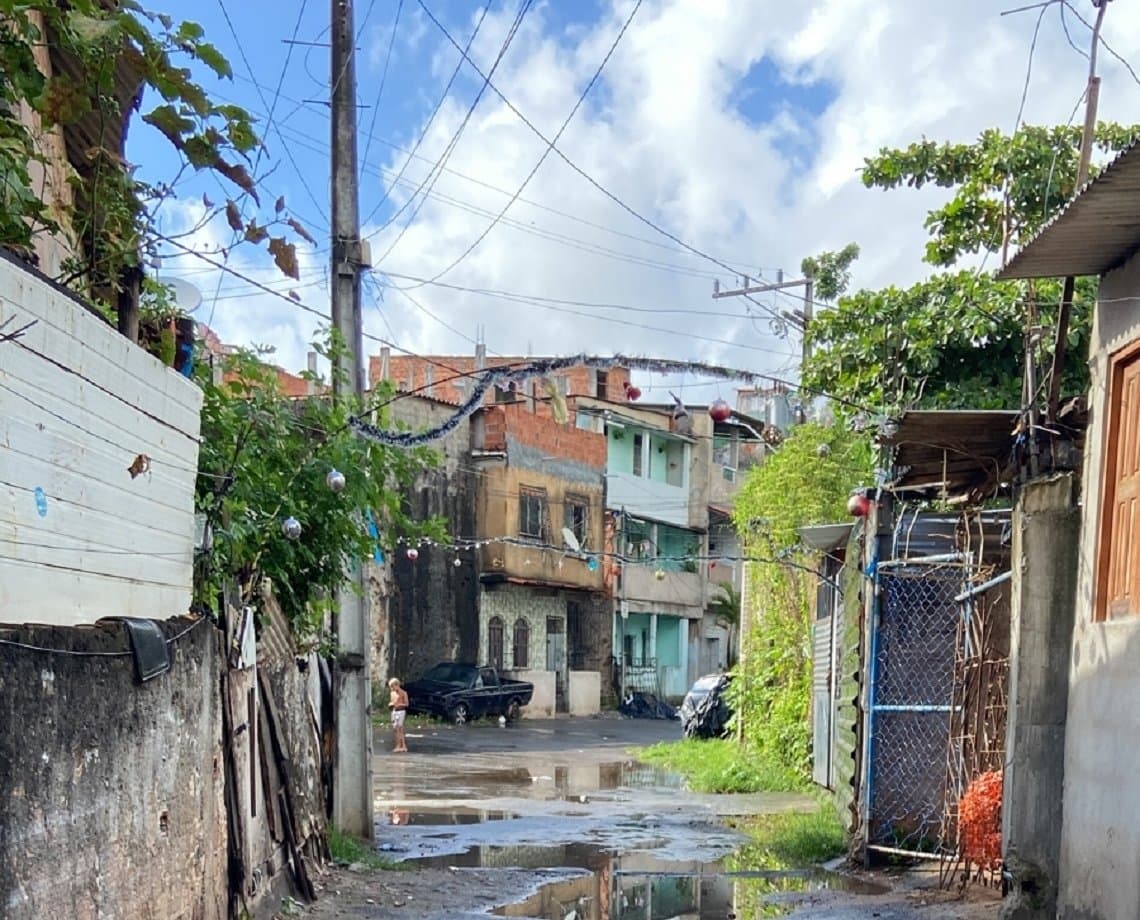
[403,817]
[612,886]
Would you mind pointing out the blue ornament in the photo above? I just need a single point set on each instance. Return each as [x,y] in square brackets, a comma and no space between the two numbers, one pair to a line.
[592,564]
[41,501]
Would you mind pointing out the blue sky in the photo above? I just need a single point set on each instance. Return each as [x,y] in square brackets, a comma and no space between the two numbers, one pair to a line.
[737,128]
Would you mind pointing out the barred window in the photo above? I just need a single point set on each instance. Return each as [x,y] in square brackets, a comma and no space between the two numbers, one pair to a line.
[495,642]
[522,645]
[576,518]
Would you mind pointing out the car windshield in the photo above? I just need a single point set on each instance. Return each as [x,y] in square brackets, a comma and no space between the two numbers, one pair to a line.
[447,673]
[704,685]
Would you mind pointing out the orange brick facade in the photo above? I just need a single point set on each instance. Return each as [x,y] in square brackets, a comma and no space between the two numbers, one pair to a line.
[540,431]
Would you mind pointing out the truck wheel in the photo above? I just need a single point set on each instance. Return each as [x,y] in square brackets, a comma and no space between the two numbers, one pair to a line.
[514,710]
[460,714]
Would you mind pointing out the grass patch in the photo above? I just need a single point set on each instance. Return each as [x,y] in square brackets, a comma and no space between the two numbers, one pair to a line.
[382,718]
[790,841]
[348,850]
[721,765]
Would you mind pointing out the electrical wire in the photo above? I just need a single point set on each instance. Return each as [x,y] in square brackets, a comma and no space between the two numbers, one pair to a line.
[301,139]
[550,146]
[77,653]
[574,166]
[437,169]
[427,124]
[383,77]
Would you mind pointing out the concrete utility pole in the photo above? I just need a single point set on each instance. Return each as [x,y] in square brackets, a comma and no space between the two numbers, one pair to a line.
[801,319]
[352,687]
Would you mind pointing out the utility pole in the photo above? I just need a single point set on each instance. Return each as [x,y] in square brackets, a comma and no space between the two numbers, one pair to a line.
[1092,98]
[352,688]
[801,319]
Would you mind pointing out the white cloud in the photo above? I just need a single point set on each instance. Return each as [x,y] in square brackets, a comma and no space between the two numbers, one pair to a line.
[662,133]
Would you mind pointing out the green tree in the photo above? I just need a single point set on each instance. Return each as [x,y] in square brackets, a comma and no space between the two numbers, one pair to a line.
[107,60]
[266,457]
[806,481]
[956,339]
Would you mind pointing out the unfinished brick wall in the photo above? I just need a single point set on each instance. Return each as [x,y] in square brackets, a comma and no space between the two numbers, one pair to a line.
[414,372]
[112,793]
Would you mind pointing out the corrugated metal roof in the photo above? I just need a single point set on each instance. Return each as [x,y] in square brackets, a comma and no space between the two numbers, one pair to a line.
[826,537]
[955,451]
[1095,232]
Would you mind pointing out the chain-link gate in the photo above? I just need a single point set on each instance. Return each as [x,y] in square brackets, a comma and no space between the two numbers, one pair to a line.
[912,679]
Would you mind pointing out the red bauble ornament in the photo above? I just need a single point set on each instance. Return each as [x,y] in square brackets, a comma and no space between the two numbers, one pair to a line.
[720,410]
[858,505]
[632,393]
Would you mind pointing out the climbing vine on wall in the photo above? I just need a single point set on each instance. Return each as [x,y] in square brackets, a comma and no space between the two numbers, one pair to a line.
[806,481]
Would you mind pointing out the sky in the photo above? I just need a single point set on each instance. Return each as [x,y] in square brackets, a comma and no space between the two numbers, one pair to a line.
[733,129]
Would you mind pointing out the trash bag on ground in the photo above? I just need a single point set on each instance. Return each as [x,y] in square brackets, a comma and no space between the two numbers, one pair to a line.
[639,705]
[710,717]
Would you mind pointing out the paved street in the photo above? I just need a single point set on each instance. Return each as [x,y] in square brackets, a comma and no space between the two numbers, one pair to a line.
[553,819]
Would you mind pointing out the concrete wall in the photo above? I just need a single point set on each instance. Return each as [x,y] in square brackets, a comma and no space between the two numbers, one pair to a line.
[542,703]
[1100,846]
[80,538]
[427,610]
[1045,541]
[111,792]
[585,693]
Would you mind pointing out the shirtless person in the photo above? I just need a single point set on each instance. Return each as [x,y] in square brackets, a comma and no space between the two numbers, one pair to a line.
[398,703]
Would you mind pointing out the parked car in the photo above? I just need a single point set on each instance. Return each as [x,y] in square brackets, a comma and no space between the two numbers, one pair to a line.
[461,692]
[705,712]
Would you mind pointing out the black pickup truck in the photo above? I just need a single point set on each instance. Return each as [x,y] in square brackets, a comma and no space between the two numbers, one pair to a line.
[460,692]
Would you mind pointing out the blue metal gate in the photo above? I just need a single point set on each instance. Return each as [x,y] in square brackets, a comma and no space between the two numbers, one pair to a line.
[913,643]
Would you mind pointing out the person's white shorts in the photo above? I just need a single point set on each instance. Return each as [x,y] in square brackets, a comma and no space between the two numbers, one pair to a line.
[398,718]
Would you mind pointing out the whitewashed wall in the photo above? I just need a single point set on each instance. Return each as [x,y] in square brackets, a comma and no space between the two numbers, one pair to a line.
[79,538]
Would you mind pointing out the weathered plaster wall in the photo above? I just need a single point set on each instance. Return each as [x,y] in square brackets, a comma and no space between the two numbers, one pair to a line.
[426,610]
[1100,846]
[111,791]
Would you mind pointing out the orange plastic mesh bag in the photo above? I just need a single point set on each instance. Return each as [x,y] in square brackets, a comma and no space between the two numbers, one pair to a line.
[979,820]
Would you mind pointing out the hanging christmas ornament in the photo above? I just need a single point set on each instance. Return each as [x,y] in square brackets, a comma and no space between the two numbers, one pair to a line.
[291,528]
[335,480]
[412,553]
[632,393]
[592,564]
[720,411]
[858,504]
[458,562]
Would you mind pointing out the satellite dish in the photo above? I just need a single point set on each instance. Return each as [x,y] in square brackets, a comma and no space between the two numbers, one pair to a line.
[570,540]
[186,297]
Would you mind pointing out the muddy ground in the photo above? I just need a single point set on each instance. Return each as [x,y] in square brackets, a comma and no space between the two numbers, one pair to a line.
[552,819]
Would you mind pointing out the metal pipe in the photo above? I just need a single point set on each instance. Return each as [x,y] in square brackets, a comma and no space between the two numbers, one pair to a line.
[925,560]
[983,587]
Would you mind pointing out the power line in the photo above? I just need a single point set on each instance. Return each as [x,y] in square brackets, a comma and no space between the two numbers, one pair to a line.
[1103,41]
[316,145]
[574,166]
[427,125]
[383,78]
[436,170]
[550,146]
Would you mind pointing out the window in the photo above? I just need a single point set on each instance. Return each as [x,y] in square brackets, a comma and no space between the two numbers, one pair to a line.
[532,513]
[576,518]
[601,384]
[638,442]
[506,394]
[561,384]
[522,645]
[1118,562]
[495,642]
[429,379]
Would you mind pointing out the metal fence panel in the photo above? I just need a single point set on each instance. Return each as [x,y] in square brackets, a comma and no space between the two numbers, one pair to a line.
[912,697]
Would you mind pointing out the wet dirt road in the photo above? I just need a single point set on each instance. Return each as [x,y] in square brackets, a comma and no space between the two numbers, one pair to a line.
[553,819]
